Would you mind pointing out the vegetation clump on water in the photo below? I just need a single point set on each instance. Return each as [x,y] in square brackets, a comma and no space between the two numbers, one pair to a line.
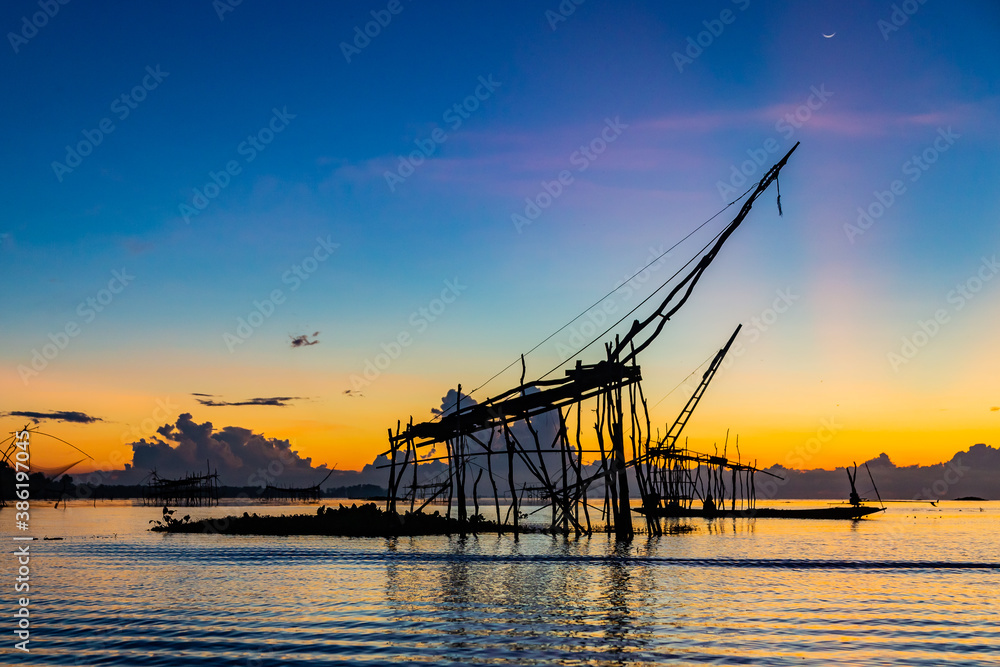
[366,520]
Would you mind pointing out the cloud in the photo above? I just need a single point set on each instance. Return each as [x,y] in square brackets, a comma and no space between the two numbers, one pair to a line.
[137,247]
[995,408]
[279,401]
[351,393]
[545,426]
[195,393]
[63,416]
[975,472]
[711,121]
[450,400]
[241,457]
[303,340]
[837,122]
[864,124]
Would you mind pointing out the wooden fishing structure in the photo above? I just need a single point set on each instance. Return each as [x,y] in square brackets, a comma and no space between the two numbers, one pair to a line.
[298,494]
[8,474]
[499,437]
[678,477]
[192,490]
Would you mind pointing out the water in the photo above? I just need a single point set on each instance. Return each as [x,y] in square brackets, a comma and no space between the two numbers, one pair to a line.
[915,586]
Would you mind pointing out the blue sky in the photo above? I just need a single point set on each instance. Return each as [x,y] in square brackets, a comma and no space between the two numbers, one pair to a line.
[324,175]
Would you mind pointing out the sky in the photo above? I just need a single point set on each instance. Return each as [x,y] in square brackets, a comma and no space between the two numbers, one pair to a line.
[310,222]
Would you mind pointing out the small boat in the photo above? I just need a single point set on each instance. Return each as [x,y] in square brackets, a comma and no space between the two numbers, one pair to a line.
[672,478]
[679,506]
[846,512]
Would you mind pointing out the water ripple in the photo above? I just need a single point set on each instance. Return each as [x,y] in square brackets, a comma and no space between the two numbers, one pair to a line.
[780,594]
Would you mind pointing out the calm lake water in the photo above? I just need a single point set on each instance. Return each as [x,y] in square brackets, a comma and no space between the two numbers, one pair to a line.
[913,586]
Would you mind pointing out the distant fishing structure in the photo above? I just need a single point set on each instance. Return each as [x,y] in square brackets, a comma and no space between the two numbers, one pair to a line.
[489,436]
[300,494]
[678,476]
[7,463]
[192,490]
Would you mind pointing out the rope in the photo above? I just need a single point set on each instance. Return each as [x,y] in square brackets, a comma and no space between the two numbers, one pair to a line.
[681,383]
[639,305]
[585,310]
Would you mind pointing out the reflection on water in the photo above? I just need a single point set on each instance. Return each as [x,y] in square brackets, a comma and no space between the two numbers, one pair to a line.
[914,586]
[734,526]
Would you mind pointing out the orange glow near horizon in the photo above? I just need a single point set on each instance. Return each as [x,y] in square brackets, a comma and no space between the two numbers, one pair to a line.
[349,443]
[777,394]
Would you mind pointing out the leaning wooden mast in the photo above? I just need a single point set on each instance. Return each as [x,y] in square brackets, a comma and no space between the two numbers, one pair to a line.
[463,429]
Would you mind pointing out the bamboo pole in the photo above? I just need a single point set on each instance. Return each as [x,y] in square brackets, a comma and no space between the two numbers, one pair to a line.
[460,464]
[493,483]
[510,477]
[390,504]
[579,447]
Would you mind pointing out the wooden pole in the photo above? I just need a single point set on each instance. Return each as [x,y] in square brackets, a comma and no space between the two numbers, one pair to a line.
[489,472]
[510,477]
[413,446]
[623,522]
[564,453]
[451,475]
[475,493]
[460,463]
[579,450]
[390,504]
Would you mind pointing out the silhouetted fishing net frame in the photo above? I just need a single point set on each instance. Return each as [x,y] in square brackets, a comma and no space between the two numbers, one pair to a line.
[49,472]
[471,430]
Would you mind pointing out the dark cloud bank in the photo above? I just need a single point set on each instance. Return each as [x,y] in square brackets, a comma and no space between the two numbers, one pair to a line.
[975,472]
[62,415]
[242,458]
[277,401]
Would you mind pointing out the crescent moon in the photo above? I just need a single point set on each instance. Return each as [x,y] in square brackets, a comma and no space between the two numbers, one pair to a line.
[830,35]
